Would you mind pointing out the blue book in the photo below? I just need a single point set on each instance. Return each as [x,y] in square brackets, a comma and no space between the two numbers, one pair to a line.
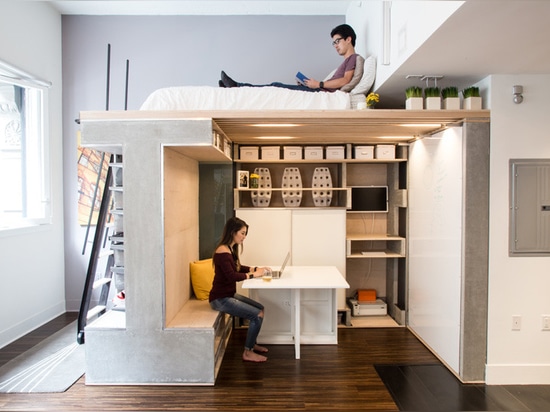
[301,78]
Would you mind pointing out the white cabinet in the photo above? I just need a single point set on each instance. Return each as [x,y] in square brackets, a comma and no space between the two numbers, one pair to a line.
[314,237]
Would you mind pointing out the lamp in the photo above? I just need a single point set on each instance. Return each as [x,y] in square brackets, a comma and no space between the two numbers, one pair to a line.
[518,94]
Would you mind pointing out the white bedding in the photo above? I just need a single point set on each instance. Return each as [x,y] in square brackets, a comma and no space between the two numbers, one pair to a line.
[244,98]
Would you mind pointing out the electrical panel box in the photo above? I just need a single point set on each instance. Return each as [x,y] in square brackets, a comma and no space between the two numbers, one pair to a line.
[529,207]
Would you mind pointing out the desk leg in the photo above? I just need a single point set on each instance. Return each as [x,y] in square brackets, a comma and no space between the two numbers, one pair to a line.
[297,331]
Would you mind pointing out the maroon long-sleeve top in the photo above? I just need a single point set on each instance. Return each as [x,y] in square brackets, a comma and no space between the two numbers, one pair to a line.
[226,276]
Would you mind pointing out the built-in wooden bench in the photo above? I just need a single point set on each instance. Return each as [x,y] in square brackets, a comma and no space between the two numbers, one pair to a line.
[197,314]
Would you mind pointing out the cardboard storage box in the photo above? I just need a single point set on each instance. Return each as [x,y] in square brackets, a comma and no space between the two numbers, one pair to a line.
[335,152]
[385,151]
[271,153]
[249,153]
[292,152]
[366,295]
[364,152]
[313,152]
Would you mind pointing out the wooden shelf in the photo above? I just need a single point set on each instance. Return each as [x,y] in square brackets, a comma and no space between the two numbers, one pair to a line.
[383,254]
[388,246]
[330,161]
[375,236]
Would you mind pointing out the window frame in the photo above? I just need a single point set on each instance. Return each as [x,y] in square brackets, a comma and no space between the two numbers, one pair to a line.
[35,162]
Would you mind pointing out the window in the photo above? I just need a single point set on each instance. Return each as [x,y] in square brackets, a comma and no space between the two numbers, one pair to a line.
[24,160]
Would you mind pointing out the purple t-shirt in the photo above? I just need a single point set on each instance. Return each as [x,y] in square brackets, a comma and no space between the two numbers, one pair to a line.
[347,65]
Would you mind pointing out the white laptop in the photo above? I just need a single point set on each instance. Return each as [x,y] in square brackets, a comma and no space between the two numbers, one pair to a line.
[276,274]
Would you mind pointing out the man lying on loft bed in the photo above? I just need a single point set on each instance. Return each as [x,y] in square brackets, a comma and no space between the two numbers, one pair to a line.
[347,87]
[343,39]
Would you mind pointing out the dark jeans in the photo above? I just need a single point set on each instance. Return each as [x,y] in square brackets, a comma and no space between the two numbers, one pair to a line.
[281,85]
[245,308]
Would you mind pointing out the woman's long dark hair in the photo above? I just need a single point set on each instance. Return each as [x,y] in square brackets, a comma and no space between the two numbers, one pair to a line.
[232,226]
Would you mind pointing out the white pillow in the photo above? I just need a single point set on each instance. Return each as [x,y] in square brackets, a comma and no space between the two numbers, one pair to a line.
[369,73]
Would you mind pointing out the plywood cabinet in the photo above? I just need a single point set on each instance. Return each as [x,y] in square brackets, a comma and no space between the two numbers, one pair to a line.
[366,246]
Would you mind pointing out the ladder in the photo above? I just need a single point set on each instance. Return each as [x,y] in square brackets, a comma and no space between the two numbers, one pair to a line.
[107,254]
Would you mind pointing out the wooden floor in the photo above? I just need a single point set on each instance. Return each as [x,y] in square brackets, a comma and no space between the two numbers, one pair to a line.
[339,377]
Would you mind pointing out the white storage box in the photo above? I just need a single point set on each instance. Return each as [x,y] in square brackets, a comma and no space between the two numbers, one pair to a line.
[364,152]
[271,153]
[376,308]
[313,152]
[292,152]
[385,151]
[249,152]
[336,152]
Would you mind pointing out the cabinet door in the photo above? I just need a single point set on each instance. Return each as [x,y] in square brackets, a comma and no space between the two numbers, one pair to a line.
[269,237]
[319,239]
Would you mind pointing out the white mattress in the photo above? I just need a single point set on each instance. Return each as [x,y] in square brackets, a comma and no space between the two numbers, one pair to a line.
[243,98]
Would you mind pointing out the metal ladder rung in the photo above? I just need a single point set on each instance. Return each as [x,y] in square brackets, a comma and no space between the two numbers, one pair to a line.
[104,253]
[96,310]
[100,282]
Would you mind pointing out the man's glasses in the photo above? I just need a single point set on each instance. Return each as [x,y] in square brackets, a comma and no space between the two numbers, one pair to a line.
[336,41]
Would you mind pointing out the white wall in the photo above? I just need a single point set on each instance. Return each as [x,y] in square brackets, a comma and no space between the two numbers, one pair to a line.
[517,285]
[412,23]
[31,261]
[173,51]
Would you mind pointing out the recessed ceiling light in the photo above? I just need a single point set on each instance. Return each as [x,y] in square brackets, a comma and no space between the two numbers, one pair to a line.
[276,137]
[421,125]
[275,125]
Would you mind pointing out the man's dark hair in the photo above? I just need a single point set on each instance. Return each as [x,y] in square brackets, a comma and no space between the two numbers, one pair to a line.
[345,31]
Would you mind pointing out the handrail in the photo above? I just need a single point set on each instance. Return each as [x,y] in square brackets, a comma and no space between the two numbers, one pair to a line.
[94,255]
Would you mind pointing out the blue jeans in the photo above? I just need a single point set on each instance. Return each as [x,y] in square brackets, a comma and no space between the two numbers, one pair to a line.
[282,85]
[245,308]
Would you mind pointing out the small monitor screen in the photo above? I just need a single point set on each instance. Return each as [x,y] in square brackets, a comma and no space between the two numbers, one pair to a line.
[369,199]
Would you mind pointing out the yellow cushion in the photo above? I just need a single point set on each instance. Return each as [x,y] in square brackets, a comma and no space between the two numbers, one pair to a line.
[202,275]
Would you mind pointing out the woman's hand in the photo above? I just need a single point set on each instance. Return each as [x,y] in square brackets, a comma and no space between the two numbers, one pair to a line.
[263,270]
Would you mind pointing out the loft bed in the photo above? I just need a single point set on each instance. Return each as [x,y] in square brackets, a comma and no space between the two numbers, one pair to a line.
[166,337]
[265,98]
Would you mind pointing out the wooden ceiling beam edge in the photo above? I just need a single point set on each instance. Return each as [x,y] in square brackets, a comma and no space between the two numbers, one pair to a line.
[321,126]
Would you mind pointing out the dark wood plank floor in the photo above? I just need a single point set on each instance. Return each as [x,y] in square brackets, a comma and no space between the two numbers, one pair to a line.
[327,377]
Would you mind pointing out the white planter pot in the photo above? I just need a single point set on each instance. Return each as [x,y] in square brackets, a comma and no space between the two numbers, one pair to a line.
[433,103]
[414,103]
[472,103]
[451,103]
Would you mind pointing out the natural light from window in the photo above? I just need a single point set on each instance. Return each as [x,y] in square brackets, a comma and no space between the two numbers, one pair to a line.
[24,160]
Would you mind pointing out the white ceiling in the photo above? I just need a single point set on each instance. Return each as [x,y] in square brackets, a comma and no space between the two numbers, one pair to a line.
[203,7]
[483,37]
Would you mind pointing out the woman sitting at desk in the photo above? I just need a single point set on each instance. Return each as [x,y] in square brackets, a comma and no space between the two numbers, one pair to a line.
[227,272]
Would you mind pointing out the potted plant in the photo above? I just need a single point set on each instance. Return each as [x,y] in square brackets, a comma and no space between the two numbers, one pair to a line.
[372,99]
[451,101]
[472,99]
[414,98]
[433,98]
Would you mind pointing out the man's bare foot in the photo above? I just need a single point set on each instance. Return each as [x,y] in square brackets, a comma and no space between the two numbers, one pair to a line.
[260,349]
[251,356]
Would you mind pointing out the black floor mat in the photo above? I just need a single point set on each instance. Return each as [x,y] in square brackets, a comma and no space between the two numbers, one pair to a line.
[432,387]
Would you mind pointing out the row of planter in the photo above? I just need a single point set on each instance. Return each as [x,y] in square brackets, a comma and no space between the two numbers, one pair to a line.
[448,98]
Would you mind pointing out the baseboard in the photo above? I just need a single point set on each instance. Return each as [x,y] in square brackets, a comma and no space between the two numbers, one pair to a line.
[517,374]
[14,332]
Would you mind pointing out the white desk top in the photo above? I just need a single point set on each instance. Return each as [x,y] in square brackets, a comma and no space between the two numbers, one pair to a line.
[302,277]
